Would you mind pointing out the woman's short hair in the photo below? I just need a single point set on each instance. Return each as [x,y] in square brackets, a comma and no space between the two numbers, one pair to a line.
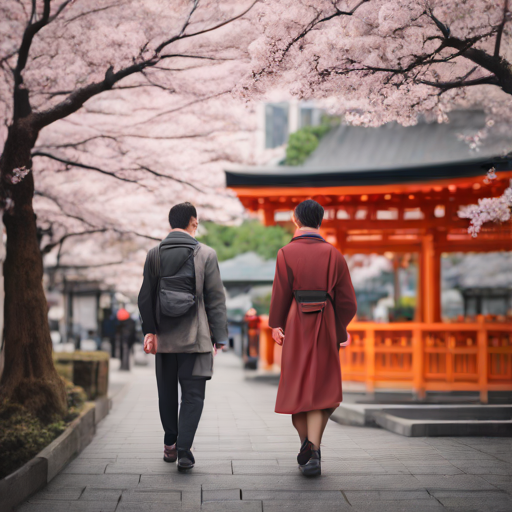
[309,213]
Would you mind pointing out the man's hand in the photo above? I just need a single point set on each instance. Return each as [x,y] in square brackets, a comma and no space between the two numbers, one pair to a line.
[278,335]
[150,343]
[217,348]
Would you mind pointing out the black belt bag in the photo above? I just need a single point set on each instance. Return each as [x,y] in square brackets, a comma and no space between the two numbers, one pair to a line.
[312,301]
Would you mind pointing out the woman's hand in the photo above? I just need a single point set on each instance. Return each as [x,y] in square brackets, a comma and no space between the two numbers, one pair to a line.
[278,335]
[150,344]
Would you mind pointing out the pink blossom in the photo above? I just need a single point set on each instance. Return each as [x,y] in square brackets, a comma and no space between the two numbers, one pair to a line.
[495,209]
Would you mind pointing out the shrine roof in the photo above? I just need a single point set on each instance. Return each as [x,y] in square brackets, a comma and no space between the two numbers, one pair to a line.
[358,156]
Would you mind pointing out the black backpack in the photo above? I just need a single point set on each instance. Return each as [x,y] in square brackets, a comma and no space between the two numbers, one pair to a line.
[175,294]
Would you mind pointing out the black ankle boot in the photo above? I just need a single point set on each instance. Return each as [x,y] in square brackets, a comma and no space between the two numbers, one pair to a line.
[313,465]
[185,460]
[305,452]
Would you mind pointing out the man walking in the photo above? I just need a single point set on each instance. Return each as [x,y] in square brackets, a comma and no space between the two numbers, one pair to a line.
[183,309]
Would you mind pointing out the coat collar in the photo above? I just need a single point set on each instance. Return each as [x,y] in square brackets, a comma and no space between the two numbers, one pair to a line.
[302,234]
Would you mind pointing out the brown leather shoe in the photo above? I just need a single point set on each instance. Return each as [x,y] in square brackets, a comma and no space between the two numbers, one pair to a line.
[170,453]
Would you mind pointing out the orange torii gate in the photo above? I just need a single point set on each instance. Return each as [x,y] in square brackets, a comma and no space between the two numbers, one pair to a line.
[401,209]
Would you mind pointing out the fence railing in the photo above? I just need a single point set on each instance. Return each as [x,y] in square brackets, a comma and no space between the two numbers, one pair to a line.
[420,357]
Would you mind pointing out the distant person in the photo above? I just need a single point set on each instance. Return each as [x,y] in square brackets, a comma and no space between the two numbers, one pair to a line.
[312,303]
[125,337]
[253,321]
[183,308]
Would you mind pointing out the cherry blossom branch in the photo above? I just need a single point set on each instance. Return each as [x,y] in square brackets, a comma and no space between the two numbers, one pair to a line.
[51,245]
[317,21]
[166,176]
[490,209]
[445,86]
[97,265]
[61,207]
[79,143]
[81,219]
[499,33]
[84,166]
[93,11]
[182,107]
[182,35]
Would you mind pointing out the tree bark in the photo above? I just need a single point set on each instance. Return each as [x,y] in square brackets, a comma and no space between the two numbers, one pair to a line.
[29,375]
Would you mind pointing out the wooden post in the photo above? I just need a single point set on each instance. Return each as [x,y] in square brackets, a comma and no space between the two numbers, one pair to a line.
[266,216]
[430,276]
[482,359]
[418,366]
[369,349]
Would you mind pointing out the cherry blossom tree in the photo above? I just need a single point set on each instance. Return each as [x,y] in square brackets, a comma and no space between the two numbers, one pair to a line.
[107,107]
[377,61]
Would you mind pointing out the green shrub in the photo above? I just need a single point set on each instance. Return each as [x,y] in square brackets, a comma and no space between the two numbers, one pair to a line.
[303,142]
[79,355]
[22,436]
[230,241]
[76,400]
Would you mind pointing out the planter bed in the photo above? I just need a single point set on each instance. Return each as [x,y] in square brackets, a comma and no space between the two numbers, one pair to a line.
[35,474]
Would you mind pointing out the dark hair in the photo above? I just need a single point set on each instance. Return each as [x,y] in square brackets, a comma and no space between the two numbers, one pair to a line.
[309,213]
[180,215]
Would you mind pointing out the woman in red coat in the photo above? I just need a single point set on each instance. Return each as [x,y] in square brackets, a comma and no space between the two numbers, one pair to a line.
[313,301]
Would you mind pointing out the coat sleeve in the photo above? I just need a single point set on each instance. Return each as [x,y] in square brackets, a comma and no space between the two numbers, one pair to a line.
[215,301]
[282,293]
[344,300]
[146,301]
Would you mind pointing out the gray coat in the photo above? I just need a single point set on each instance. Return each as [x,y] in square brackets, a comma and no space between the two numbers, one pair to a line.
[206,322]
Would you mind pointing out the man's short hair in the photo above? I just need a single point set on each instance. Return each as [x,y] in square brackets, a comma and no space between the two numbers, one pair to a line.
[180,215]
[309,213]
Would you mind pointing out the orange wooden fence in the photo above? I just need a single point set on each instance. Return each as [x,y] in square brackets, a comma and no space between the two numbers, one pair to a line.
[420,356]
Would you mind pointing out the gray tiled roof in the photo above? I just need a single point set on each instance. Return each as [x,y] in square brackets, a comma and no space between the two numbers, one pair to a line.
[352,148]
[354,156]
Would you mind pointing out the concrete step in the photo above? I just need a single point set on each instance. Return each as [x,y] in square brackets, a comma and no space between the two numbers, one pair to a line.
[430,420]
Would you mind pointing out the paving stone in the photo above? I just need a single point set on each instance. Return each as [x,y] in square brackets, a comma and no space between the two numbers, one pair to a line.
[64,494]
[222,495]
[480,500]
[486,467]
[97,481]
[93,494]
[130,506]
[453,482]
[431,505]
[231,506]
[160,496]
[160,467]
[68,506]
[500,481]
[269,495]
[87,468]
[435,470]
[298,482]
[305,506]
[370,496]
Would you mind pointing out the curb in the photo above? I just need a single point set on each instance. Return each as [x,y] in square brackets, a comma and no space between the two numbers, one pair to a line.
[36,473]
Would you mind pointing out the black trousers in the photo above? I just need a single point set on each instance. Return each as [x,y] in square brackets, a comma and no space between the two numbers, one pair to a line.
[171,368]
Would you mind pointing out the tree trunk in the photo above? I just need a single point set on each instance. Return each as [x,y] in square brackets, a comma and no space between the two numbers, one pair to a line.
[29,375]
[2,258]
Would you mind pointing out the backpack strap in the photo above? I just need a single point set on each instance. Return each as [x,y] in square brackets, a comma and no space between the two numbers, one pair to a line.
[154,261]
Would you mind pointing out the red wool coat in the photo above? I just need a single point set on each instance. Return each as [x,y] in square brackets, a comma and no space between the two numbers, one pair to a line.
[310,365]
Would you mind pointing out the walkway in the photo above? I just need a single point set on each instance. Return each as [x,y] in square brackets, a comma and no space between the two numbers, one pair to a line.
[245,461]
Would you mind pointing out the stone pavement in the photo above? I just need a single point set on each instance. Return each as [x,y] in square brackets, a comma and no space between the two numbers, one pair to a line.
[245,461]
